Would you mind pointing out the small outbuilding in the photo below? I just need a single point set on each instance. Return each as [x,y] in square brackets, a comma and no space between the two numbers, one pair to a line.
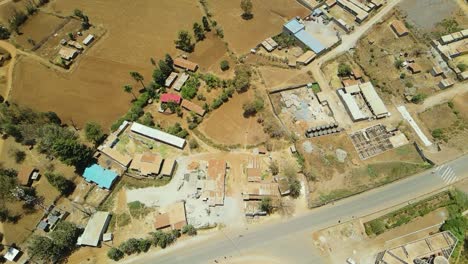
[186,64]
[11,254]
[414,68]
[446,83]
[399,28]
[25,175]
[88,39]
[67,53]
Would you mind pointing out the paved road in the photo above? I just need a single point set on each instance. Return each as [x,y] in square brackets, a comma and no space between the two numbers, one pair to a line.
[280,238]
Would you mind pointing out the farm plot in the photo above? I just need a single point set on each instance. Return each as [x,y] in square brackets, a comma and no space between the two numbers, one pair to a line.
[91,93]
[269,17]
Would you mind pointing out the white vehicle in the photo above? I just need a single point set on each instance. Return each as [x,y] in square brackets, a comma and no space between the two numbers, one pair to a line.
[350,261]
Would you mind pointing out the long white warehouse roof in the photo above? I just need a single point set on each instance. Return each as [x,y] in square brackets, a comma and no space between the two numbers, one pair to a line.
[94,229]
[352,106]
[158,135]
[373,99]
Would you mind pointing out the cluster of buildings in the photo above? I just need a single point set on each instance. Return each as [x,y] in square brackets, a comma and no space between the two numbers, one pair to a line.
[297,29]
[358,99]
[359,9]
[452,46]
[71,48]
[171,217]
[177,80]
[184,103]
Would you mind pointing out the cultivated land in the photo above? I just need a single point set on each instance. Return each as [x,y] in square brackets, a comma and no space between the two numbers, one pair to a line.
[269,17]
[256,143]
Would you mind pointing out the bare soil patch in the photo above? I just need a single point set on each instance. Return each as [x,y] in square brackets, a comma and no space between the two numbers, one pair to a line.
[269,17]
[227,125]
[37,28]
[441,116]
[275,77]
[91,93]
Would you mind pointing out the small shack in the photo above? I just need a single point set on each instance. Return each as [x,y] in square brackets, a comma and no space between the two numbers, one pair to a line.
[399,28]
[190,106]
[168,167]
[414,68]
[88,39]
[25,175]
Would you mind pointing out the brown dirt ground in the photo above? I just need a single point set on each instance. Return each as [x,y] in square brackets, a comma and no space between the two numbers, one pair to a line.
[385,48]
[37,28]
[440,116]
[235,129]
[91,93]
[6,10]
[275,77]
[269,17]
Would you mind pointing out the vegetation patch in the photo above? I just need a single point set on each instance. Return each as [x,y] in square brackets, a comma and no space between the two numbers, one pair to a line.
[138,209]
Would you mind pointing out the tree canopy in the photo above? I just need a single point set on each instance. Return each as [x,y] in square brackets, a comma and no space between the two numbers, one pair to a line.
[344,69]
[247,7]
[94,133]
[62,184]
[184,41]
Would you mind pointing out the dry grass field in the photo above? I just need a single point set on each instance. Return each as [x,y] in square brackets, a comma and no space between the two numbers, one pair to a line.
[275,77]
[377,52]
[269,17]
[228,126]
[93,92]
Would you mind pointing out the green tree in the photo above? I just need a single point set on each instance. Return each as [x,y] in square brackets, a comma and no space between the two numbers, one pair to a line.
[266,205]
[462,66]
[78,13]
[138,78]
[71,36]
[184,41]
[94,133]
[43,249]
[165,68]
[65,235]
[198,32]
[294,188]
[418,98]
[274,168]
[206,24]
[144,245]
[398,63]
[130,246]
[242,78]
[190,88]
[8,182]
[147,119]
[129,89]
[169,61]
[20,156]
[344,69]
[62,184]
[189,230]
[159,77]
[115,254]
[224,65]
[4,32]
[247,7]
[438,133]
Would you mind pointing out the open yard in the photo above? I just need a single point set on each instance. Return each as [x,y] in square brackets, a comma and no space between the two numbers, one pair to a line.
[227,125]
[269,17]
[378,52]
[333,177]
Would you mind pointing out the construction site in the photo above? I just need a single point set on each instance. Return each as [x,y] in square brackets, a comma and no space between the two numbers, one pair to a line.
[375,140]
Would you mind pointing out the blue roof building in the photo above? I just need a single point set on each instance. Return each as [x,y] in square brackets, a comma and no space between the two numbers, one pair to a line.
[294,26]
[298,30]
[99,175]
[309,40]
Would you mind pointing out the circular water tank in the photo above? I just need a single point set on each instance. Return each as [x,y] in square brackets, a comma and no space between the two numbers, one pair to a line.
[440,260]
[335,125]
[329,131]
[334,130]
[309,130]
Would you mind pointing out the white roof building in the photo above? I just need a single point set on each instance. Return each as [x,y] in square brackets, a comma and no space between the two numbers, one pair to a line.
[11,254]
[88,39]
[94,230]
[170,80]
[158,135]
[351,105]
[180,81]
[374,101]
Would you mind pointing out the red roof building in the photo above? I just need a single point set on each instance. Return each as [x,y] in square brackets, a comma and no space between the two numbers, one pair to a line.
[169,97]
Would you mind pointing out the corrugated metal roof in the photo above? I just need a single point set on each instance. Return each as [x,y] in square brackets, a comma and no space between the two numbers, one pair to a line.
[309,41]
[373,99]
[158,135]
[352,106]
[94,229]
[294,26]
[102,177]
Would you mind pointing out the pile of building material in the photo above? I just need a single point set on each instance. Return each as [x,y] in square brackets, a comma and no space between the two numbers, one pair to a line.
[318,131]
[269,44]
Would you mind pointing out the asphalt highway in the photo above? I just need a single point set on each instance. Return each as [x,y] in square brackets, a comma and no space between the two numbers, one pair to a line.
[279,238]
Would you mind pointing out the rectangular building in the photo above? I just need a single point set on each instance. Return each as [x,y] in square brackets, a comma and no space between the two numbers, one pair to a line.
[94,230]
[374,101]
[147,164]
[306,58]
[186,64]
[100,176]
[183,77]
[168,167]
[158,135]
[295,28]
[170,79]
[399,28]
[351,106]
[173,217]
[193,107]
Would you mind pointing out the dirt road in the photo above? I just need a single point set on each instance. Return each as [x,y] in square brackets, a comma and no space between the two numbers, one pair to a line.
[441,97]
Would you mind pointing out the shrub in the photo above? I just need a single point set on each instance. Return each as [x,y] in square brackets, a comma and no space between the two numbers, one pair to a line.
[265,205]
[224,65]
[19,156]
[115,254]
[437,133]
[462,66]
[344,69]
[377,227]
[130,246]
[193,144]
[418,98]
[4,32]
[62,184]
[295,188]
[189,230]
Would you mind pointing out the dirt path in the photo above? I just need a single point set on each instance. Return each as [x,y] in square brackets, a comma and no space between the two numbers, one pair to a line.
[441,97]
[14,52]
